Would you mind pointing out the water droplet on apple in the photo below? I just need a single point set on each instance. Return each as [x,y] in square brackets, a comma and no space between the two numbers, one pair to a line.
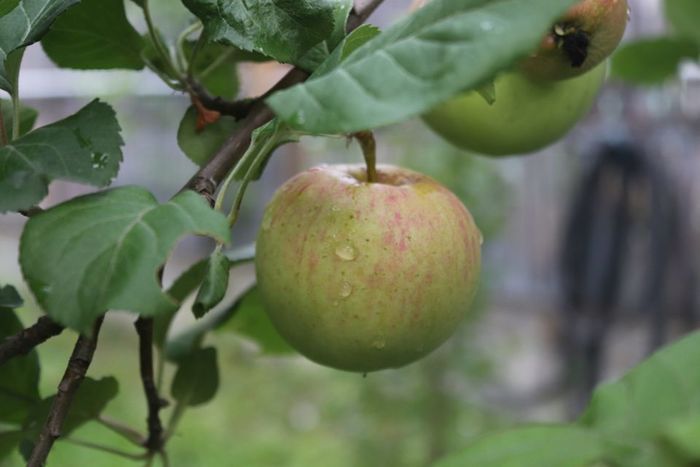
[379,345]
[345,289]
[346,252]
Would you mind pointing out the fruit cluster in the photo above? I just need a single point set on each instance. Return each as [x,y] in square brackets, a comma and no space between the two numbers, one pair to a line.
[363,275]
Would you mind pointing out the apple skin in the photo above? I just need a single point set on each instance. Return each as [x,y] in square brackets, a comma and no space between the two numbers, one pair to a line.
[366,276]
[583,38]
[526,116]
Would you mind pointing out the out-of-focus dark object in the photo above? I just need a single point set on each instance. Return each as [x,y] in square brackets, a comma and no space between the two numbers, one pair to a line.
[626,256]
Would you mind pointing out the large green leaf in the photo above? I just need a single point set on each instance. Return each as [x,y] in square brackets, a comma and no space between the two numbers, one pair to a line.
[442,49]
[124,236]
[85,148]
[530,446]
[19,377]
[27,117]
[635,409]
[7,6]
[683,436]
[94,35]
[25,25]
[197,378]
[281,29]
[320,52]
[651,61]
[684,16]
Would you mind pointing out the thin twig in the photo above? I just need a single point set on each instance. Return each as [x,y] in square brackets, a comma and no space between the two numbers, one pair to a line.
[206,181]
[108,449]
[121,429]
[75,373]
[25,340]
[154,441]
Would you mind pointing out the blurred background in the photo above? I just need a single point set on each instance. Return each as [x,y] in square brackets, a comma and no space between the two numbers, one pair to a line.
[589,264]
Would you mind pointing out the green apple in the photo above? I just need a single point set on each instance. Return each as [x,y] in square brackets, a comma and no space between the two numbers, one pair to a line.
[526,116]
[580,40]
[365,276]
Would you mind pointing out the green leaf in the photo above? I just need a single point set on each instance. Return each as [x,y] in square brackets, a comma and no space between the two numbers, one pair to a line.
[683,435]
[214,286]
[25,25]
[683,16]
[197,378]
[94,35]
[530,446]
[216,68]
[440,50]
[638,406]
[19,376]
[89,402]
[9,441]
[7,6]
[281,29]
[350,43]
[264,141]
[252,321]
[124,237]
[200,146]
[318,53]
[9,298]
[27,117]
[651,61]
[85,148]
[188,283]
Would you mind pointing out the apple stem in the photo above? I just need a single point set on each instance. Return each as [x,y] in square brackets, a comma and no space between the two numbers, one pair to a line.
[369,151]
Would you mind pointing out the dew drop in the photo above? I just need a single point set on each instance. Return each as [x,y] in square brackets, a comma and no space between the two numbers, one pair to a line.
[345,289]
[346,252]
[481,238]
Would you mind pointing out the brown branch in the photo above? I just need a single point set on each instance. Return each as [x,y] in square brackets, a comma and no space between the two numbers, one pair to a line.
[206,181]
[25,340]
[236,109]
[75,373]
[144,328]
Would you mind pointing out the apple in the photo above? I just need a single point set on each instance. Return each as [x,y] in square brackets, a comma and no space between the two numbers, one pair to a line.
[583,38]
[526,116]
[365,276]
